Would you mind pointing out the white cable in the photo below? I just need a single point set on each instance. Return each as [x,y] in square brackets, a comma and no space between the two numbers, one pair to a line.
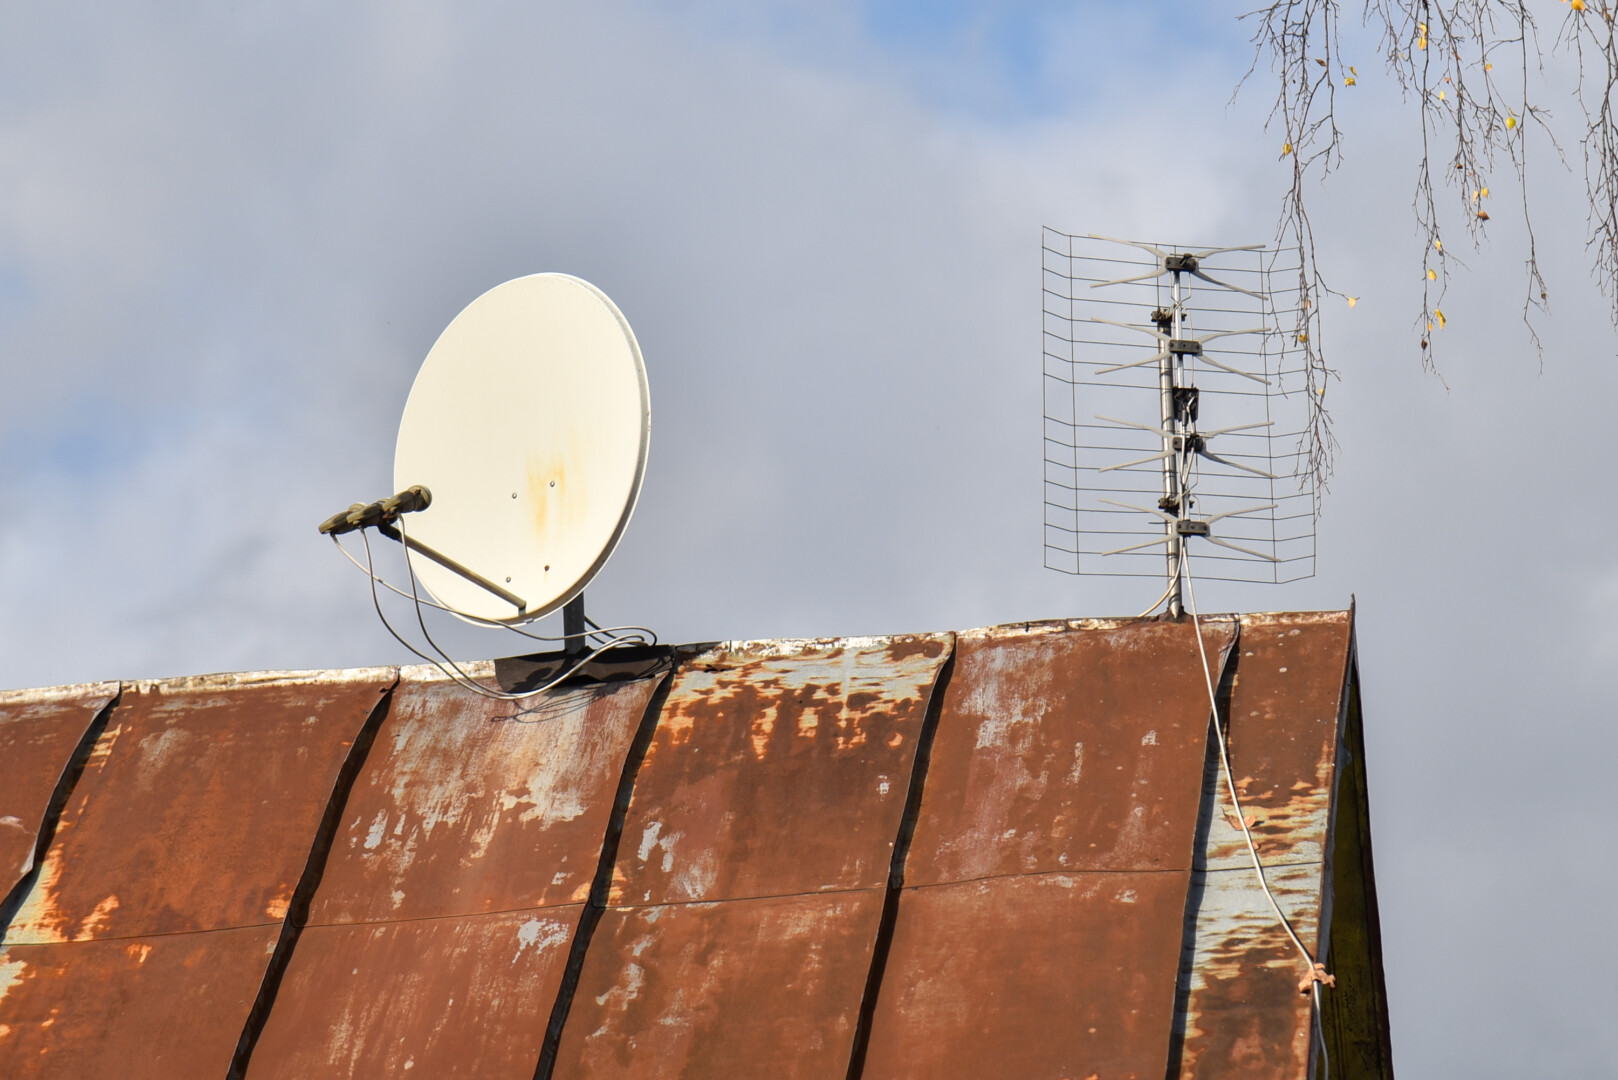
[645,635]
[1156,602]
[1235,802]
[454,672]
[466,680]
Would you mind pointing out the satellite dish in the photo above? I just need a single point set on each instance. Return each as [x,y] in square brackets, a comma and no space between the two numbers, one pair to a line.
[529,424]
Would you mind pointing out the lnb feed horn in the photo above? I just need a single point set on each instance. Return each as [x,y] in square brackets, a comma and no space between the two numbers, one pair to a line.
[382,512]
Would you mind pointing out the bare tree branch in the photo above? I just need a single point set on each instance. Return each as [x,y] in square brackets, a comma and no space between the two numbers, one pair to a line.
[1442,54]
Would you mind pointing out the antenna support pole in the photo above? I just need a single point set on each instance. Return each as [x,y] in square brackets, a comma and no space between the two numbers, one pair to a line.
[573,625]
[1174,499]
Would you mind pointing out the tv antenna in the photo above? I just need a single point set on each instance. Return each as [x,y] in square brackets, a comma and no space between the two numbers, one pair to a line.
[1142,343]
[519,461]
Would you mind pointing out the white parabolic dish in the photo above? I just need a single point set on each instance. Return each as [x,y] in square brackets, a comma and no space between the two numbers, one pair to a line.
[529,423]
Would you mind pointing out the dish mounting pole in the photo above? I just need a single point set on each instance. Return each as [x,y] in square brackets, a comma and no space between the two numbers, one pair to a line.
[573,626]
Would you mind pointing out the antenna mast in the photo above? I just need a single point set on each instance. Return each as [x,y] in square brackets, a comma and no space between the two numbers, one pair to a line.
[1173,501]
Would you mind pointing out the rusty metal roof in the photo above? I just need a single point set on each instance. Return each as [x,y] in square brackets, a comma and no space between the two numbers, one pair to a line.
[1003,852]
[148,931]
[748,891]
[1053,853]
[40,733]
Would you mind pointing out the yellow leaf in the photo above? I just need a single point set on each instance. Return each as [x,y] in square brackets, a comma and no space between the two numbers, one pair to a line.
[1352,70]
[1432,275]
[1488,67]
[1511,122]
[1286,149]
[1421,42]
[1440,314]
[1438,245]
[1441,95]
[1475,195]
[1485,193]
[1578,5]
[1352,300]
[1350,81]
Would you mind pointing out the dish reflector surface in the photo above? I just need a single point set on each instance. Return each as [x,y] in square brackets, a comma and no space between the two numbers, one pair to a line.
[529,422]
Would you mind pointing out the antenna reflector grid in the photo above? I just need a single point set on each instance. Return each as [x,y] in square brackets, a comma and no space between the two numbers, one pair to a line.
[1175,411]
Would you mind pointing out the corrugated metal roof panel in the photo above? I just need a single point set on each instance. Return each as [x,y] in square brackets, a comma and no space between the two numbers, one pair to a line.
[741,988]
[1243,1010]
[174,865]
[462,996]
[39,732]
[1039,931]
[778,767]
[755,857]
[468,804]
[439,933]
[158,1007]
[197,807]
[1031,975]
[1067,748]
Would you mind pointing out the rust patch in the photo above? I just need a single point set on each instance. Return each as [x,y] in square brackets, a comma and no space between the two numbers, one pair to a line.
[767,987]
[1067,749]
[777,768]
[1036,976]
[39,732]
[149,1009]
[197,807]
[454,997]
[461,809]
[931,646]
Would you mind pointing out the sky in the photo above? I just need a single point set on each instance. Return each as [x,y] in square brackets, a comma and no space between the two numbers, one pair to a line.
[229,235]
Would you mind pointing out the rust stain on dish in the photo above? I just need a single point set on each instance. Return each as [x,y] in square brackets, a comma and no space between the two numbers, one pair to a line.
[553,505]
[155,1008]
[39,731]
[454,997]
[465,806]
[1244,1012]
[777,767]
[1068,748]
[767,987]
[197,807]
[1034,976]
